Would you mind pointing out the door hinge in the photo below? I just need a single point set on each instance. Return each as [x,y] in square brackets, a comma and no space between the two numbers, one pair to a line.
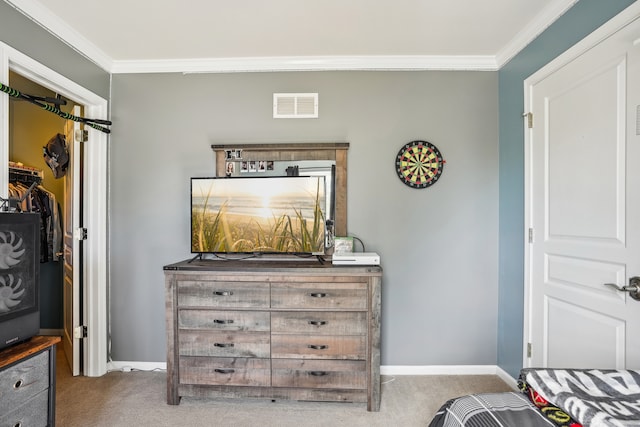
[81,135]
[530,235]
[529,117]
[80,332]
[528,349]
[80,234]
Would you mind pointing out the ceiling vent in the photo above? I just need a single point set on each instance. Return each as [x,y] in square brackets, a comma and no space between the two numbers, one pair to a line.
[295,105]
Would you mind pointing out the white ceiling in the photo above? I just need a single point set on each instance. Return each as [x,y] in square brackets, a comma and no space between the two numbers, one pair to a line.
[146,35]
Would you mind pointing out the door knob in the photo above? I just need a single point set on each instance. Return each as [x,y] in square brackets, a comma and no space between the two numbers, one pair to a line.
[633,287]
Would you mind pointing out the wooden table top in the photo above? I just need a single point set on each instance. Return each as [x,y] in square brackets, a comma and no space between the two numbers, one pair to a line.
[20,351]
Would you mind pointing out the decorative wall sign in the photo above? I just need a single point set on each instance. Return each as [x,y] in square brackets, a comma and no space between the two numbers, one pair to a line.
[234,154]
[419,164]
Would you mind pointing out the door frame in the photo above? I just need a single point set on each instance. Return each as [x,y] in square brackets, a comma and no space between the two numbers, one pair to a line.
[612,26]
[95,260]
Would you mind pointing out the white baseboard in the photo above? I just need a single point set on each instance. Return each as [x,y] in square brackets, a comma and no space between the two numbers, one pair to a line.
[439,370]
[507,378]
[384,370]
[451,370]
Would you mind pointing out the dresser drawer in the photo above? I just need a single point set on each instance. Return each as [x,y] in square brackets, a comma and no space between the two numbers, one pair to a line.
[319,323]
[224,344]
[318,347]
[345,374]
[21,382]
[32,413]
[319,295]
[256,321]
[225,371]
[202,293]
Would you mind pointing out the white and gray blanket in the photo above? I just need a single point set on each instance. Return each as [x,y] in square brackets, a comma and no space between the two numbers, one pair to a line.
[592,397]
[508,409]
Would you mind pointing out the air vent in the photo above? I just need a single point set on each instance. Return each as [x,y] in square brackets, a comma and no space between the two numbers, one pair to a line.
[295,105]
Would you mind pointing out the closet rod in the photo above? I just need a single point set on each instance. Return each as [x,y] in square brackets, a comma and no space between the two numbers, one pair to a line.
[89,122]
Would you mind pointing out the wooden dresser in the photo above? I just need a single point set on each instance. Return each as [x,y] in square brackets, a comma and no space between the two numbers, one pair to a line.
[28,383]
[297,330]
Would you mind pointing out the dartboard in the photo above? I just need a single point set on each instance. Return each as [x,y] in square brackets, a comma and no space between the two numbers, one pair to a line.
[419,164]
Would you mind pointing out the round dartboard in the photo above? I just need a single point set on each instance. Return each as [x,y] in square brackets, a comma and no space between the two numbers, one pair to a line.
[419,164]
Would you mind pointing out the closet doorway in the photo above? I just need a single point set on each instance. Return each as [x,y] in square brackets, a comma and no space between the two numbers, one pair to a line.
[30,129]
[93,202]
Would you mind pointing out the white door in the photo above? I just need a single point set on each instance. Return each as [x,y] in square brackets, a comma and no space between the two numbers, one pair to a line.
[584,209]
[71,248]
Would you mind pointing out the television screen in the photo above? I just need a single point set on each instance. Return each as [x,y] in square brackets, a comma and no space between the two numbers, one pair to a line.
[258,215]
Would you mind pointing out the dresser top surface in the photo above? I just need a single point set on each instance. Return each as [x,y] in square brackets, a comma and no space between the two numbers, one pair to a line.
[20,351]
[254,265]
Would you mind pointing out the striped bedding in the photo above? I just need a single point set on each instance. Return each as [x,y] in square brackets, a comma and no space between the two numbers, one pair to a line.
[552,398]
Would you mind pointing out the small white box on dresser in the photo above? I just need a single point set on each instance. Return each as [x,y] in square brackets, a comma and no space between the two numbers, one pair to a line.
[356,258]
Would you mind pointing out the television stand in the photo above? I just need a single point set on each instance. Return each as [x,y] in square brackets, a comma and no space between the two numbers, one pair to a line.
[28,386]
[290,329]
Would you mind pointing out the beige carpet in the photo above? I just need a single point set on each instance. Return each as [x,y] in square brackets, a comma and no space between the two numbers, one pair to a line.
[139,399]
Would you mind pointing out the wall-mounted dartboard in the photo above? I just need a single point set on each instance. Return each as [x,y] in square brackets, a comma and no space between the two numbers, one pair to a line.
[419,164]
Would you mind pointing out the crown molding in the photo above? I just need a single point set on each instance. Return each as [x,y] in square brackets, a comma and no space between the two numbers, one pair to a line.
[541,22]
[61,30]
[306,63]
[58,28]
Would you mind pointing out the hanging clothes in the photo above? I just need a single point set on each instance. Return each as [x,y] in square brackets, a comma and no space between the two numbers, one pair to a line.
[36,198]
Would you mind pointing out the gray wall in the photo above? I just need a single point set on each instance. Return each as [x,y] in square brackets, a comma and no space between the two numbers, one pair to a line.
[29,38]
[438,245]
[572,27]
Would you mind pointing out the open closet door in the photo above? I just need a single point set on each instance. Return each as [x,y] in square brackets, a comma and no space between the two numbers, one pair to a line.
[73,331]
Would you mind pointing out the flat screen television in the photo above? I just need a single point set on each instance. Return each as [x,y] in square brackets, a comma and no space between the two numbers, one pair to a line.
[259,215]
[19,277]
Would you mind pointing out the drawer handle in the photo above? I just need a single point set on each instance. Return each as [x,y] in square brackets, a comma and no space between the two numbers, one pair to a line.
[224,371]
[223,344]
[223,293]
[318,373]
[223,321]
[318,294]
[318,346]
[18,384]
[317,322]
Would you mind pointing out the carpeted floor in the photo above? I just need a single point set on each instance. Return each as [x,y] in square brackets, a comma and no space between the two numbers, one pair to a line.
[139,399]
